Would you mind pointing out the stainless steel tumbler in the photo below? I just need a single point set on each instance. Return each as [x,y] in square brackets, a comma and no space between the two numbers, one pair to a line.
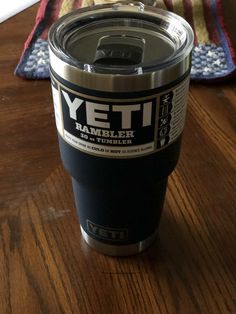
[120,76]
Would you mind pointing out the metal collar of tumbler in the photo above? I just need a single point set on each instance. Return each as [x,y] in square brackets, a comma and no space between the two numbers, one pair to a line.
[120,47]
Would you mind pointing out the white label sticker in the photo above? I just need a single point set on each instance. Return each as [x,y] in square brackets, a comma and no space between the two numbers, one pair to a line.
[121,128]
[57,110]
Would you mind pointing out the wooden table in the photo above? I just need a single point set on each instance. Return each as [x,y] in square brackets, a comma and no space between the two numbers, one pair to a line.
[45,266]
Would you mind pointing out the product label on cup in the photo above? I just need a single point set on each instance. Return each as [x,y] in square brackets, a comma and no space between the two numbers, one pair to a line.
[120,128]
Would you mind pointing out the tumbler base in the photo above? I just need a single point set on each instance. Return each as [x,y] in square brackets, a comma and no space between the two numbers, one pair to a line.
[118,250]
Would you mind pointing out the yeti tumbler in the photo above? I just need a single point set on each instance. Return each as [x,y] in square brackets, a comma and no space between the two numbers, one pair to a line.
[120,77]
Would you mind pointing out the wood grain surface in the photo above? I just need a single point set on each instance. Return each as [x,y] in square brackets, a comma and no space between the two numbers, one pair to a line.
[45,266]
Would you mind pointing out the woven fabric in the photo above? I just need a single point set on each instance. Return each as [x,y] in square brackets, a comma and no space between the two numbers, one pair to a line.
[213,53]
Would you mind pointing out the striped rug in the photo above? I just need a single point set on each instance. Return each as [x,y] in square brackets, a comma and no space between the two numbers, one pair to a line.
[214,55]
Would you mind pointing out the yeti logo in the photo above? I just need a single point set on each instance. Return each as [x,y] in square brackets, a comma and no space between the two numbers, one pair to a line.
[101,232]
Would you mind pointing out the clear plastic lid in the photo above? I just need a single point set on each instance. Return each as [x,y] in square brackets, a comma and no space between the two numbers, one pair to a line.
[121,39]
